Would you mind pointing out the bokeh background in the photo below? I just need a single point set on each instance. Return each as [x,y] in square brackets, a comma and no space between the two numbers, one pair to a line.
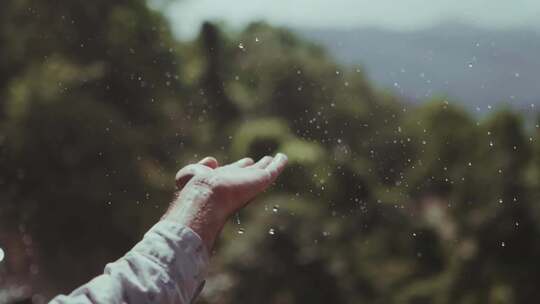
[414,170]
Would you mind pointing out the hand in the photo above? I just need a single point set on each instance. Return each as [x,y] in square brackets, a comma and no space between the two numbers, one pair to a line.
[210,194]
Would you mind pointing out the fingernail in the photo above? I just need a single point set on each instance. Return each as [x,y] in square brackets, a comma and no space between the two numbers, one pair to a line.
[206,159]
[282,155]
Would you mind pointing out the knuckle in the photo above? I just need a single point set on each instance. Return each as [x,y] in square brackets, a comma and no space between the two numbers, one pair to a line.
[210,181]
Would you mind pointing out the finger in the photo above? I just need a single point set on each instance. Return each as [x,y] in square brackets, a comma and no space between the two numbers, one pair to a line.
[262,163]
[209,161]
[277,165]
[244,162]
[185,174]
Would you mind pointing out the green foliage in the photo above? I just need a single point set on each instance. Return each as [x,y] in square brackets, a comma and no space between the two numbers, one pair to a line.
[383,201]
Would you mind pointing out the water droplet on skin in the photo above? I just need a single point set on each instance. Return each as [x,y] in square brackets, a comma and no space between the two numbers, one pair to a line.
[271,231]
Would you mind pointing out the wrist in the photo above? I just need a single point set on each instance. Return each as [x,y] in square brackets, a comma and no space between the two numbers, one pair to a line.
[195,208]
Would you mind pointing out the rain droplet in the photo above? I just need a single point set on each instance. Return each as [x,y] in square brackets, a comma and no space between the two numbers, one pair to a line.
[503,244]
[241,46]
[2,254]
[271,231]
[275,209]
[241,230]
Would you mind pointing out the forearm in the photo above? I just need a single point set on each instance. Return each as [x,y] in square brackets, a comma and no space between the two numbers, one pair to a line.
[167,266]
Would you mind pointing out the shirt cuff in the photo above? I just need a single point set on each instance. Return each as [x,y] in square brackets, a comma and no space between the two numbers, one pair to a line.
[180,251]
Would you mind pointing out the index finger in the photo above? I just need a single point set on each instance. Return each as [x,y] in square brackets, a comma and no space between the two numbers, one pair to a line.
[277,165]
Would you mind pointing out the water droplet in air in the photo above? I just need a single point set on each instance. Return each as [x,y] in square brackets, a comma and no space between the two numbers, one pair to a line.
[241,230]
[2,254]
[275,209]
[241,46]
[271,231]
[503,244]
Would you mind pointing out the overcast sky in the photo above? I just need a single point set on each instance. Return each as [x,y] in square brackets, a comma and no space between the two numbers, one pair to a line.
[187,15]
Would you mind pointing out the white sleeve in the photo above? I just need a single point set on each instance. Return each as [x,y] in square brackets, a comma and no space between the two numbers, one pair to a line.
[167,266]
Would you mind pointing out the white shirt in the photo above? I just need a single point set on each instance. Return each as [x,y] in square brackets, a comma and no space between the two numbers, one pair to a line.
[167,266]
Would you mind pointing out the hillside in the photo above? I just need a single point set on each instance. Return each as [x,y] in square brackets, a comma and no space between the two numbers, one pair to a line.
[475,66]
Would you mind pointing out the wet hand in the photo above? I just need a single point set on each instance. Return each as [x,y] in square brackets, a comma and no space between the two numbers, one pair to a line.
[211,193]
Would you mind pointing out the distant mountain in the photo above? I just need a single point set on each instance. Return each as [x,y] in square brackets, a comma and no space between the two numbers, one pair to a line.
[477,67]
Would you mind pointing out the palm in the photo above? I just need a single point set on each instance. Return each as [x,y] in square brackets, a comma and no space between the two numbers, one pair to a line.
[241,184]
[237,183]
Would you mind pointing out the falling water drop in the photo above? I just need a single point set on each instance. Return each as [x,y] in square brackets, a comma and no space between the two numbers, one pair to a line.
[275,209]
[271,231]
[2,255]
